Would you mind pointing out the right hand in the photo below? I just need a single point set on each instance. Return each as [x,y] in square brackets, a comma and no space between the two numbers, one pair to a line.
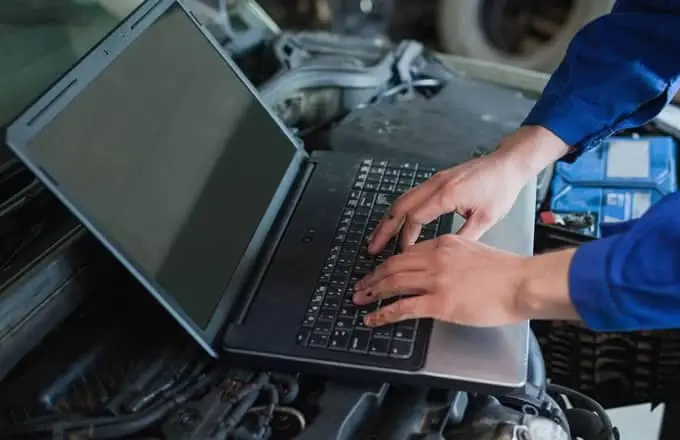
[482,190]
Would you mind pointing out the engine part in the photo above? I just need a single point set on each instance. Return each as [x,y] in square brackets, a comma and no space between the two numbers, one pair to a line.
[487,419]
[104,427]
[5,156]
[238,25]
[346,411]
[287,422]
[14,178]
[221,412]
[412,414]
[41,273]
[348,71]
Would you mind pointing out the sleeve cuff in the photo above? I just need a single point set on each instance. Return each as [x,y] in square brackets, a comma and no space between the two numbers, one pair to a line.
[590,290]
[571,121]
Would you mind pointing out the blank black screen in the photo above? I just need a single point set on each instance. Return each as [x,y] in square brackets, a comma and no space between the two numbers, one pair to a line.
[172,159]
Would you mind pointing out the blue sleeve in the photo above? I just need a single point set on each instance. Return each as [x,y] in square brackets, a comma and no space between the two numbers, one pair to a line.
[631,281]
[619,72]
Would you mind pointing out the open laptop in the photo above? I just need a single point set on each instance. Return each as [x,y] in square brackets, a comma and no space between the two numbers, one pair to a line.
[161,147]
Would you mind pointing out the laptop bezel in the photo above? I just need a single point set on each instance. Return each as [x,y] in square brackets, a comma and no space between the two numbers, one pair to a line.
[50,103]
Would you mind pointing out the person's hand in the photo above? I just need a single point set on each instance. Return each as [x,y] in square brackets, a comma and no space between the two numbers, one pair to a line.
[452,279]
[482,190]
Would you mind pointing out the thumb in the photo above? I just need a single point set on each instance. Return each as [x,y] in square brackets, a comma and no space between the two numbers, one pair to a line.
[475,226]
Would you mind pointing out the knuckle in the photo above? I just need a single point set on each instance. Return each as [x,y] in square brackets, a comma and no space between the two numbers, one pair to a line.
[398,280]
[402,308]
[414,217]
[484,216]
[440,281]
[448,240]
[386,267]
[441,260]
[446,194]
[440,176]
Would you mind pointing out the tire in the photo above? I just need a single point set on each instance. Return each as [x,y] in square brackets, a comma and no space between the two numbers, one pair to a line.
[459,27]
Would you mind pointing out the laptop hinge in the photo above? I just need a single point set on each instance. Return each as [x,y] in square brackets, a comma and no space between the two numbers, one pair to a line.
[272,242]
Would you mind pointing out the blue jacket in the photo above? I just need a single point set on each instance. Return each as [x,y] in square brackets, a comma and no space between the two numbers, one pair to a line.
[619,72]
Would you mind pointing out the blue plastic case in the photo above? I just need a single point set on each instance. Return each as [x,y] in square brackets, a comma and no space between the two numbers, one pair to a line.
[617,181]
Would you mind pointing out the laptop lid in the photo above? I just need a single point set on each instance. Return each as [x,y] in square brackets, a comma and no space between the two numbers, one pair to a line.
[160,146]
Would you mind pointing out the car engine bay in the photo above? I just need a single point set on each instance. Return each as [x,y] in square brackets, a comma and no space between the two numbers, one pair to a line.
[70,368]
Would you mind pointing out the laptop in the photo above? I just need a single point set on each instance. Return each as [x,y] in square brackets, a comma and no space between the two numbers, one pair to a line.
[161,147]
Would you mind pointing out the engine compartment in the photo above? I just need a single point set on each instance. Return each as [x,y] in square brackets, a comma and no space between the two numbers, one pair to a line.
[98,376]
[75,370]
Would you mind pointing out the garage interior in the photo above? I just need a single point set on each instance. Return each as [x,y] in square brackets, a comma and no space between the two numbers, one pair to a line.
[333,72]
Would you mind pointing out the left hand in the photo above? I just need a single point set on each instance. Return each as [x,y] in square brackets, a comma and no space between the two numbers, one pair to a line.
[453,279]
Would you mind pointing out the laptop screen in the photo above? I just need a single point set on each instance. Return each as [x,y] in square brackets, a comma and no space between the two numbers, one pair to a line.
[171,158]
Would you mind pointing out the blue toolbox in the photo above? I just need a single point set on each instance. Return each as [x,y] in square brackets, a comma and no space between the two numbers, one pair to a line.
[617,181]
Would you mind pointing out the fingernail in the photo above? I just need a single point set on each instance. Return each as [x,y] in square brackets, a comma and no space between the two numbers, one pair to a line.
[370,321]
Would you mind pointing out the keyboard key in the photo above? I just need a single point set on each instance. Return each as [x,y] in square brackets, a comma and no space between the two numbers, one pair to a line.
[332,320]
[326,315]
[401,349]
[407,334]
[379,346]
[384,331]
[348,312]
[339,340]
[309,320]
[366,200]
[359,340]
[410,324]
[303,335]
[331,303]
[319,340]
[342,272]
[385,199]
[323,327]
[344,323]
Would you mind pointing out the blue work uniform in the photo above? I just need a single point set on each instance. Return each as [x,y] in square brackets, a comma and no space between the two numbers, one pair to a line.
[619,72]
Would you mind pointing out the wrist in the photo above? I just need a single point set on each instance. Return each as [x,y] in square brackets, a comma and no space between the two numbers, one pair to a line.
[531,148]
[543,287]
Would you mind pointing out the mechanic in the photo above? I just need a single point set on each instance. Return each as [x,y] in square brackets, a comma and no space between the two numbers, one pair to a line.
[618,73]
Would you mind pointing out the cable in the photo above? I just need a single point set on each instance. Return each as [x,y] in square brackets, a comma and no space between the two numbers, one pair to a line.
[612,431]
[146,418]
[290,385]
[178,395]
[288,410]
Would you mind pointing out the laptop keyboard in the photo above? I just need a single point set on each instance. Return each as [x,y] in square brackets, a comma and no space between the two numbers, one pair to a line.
[333,321]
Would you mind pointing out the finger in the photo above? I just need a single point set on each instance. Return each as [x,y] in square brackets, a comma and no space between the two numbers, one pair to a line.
[423,247]
[396,264]
[409,234]
[407,308]
[391,224]
[402,283]
[441,202]
[475,226]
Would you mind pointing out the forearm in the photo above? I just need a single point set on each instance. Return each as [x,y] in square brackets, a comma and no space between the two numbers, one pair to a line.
[532,148]
[625,282]
[543,291]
